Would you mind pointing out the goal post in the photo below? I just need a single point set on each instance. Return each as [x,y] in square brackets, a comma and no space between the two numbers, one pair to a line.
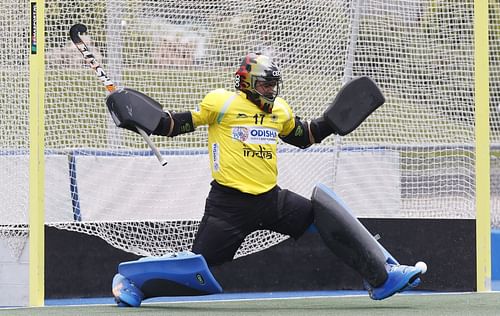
[482,97]
[36,154]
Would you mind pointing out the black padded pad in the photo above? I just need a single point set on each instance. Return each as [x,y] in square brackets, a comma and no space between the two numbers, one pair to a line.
[355,101]
[347,237]
[130,108]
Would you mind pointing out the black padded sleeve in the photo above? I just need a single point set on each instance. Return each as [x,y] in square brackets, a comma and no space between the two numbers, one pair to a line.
[173,124]
[299,136]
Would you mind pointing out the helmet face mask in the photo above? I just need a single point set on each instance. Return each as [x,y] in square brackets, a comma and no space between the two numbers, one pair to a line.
[267,87]
[260,79]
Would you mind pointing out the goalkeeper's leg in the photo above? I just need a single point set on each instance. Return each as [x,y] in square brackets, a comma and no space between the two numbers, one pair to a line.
[344,235]
[231,215]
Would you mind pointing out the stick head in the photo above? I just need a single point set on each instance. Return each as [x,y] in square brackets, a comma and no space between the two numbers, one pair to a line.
[75,31]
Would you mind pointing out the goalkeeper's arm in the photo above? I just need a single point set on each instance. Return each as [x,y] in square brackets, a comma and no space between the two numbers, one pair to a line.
[173,124]
[304,134]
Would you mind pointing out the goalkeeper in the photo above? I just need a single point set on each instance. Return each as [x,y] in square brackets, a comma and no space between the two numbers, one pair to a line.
[243,131]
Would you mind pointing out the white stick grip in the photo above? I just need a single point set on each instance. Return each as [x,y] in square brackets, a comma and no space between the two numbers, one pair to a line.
[152,146]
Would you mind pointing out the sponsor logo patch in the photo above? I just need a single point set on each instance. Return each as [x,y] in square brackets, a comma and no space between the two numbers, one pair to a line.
[240,133]
[255,135]
[215,157]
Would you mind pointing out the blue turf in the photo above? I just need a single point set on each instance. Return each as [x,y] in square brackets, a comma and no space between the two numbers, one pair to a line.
[220,297]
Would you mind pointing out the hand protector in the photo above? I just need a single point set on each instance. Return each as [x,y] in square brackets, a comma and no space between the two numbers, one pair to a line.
[353,104]
[130,108]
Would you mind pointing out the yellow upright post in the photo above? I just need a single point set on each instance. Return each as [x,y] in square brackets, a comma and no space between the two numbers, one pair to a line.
[483,229]
[37,164]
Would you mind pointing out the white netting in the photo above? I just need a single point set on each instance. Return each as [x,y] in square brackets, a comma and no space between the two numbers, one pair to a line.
[175,52]
[414,157]
[14,123]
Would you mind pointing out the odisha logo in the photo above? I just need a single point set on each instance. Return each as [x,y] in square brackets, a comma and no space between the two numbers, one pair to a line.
[266,133]
[240,133]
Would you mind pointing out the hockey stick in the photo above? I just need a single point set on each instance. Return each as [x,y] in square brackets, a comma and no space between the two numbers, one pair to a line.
[74,33]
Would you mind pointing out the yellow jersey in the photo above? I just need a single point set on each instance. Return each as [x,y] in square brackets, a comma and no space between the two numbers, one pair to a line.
[242,139]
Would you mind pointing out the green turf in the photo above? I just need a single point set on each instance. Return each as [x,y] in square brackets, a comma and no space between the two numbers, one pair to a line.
[479,304]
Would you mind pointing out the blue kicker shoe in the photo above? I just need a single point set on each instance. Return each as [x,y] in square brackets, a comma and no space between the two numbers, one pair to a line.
[399,279]
[125,292]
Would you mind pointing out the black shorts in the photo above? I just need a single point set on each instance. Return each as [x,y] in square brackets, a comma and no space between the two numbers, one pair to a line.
[231,215]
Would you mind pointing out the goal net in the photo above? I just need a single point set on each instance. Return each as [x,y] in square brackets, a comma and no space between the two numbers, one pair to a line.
[413,158]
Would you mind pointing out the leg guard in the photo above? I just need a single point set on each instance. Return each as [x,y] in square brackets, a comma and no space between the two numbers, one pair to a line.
[180,274]
[353,243]
[347,237]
